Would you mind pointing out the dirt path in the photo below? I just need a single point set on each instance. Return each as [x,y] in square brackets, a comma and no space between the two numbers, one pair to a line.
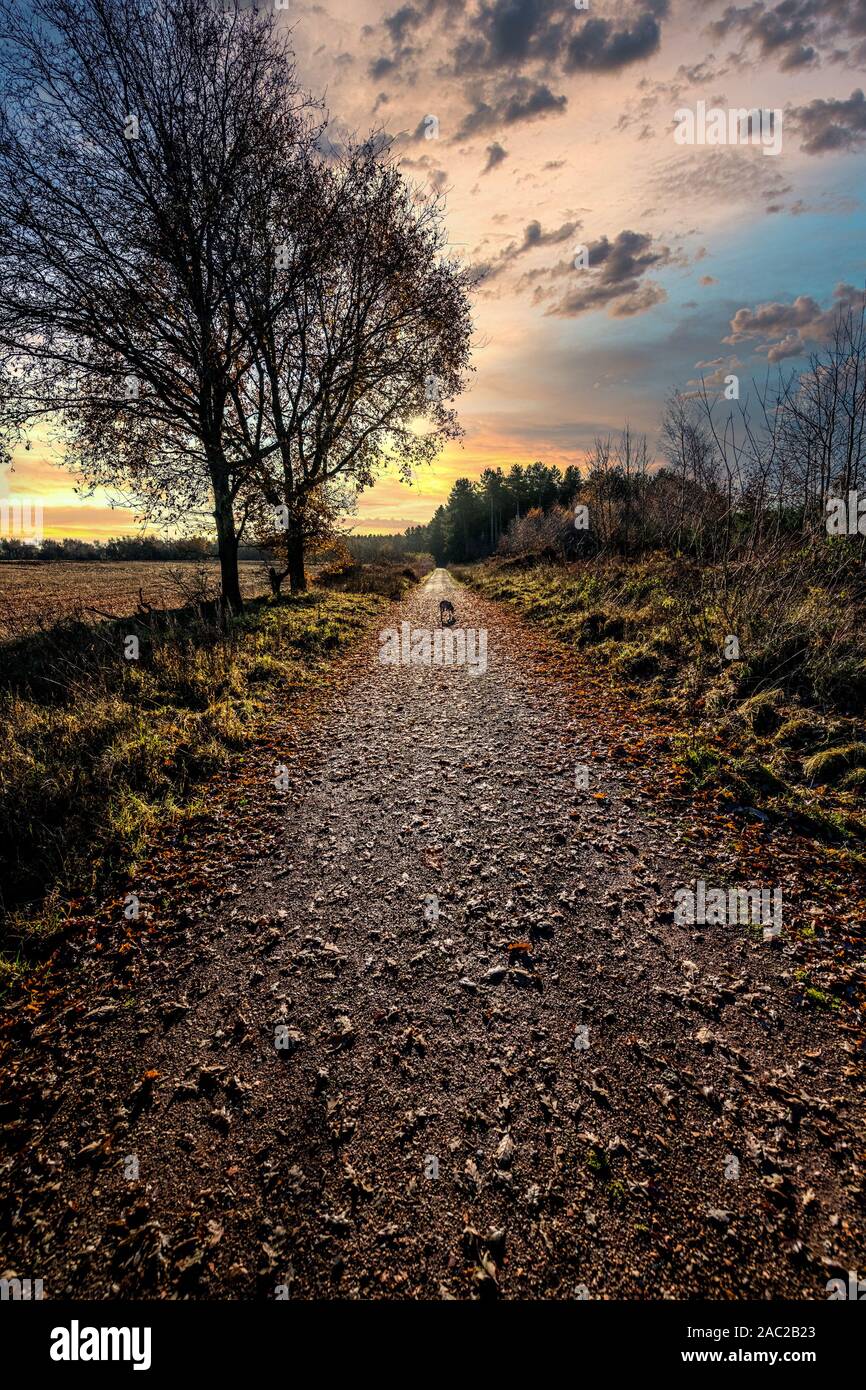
[620,1107]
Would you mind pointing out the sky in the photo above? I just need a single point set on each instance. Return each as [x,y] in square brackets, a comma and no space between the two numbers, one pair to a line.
[552,126]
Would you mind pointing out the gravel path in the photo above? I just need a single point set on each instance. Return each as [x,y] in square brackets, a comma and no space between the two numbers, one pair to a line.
[447,1040]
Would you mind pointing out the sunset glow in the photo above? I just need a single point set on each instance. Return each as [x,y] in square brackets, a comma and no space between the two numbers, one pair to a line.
[556,128]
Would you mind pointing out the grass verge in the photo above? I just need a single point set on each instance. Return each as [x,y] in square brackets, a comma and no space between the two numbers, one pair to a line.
[779,731]
[105,750]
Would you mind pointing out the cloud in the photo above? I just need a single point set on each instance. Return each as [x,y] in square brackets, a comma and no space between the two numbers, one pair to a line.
[599,46]
[714,372]
[783,30]
[829,206]
[495,155]
[513,32]
[382,67]
[787,330]
[518,101]
[436,178]
[796,33]
[831,125]
[399,28]
[733,175]
[613,278]
[534,236]
[402,23]
[696,74]
[519,44]
[510,33]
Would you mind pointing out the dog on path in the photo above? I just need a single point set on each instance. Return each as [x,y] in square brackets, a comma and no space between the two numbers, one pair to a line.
[446,610]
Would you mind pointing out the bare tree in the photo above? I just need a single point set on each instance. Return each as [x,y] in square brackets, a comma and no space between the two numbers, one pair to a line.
[615,489]
[688,447]
[365,332]
[823,419]
[138,141]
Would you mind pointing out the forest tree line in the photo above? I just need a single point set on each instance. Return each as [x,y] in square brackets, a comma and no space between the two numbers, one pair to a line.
[71,548]
[723,479]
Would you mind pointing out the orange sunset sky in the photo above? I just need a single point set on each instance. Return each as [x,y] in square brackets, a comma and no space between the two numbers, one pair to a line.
[555,128]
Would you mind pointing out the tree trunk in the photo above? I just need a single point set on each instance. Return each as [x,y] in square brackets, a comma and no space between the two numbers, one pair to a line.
[295,561]
[227,542]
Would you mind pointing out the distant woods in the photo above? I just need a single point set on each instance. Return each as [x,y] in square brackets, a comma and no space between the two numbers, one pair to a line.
[480,517]
[725,480]
[116,548]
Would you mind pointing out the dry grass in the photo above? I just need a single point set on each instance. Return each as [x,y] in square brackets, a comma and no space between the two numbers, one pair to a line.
[782,728]
[102,753]
[35,596]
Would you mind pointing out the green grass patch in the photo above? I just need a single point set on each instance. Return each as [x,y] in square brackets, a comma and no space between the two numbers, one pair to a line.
[597,1162]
